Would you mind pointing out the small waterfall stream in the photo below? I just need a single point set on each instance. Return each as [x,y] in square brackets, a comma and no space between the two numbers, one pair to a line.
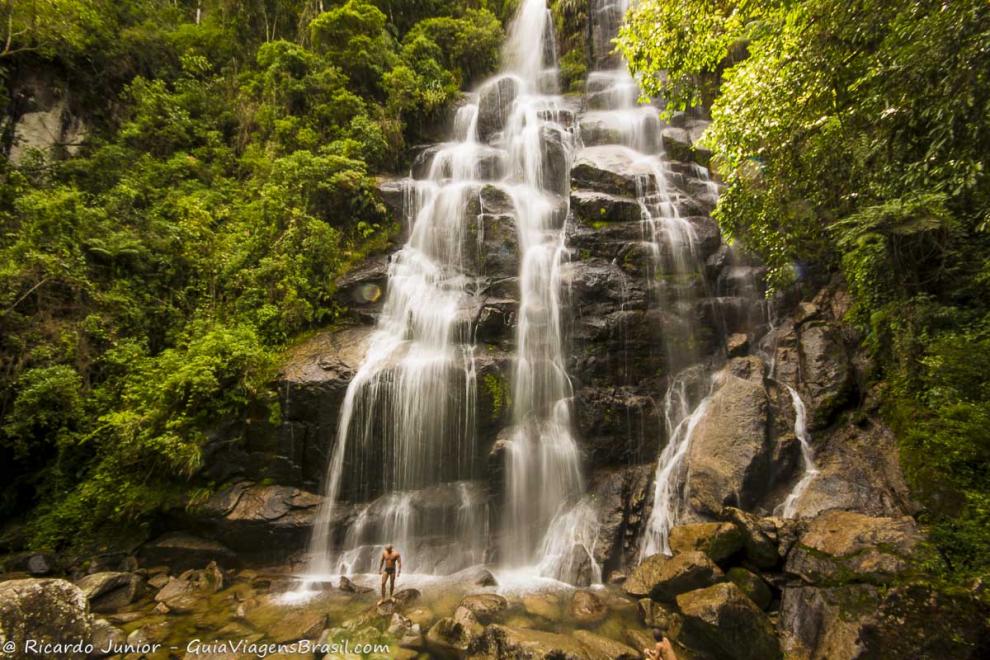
[789,508]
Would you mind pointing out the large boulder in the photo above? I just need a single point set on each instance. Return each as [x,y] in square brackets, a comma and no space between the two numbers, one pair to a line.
[545,605]
[576,567]
[752,585]
[761,539]
[474,576]
[717,540]
[179,595]
[51,612]
[813,353]
[453,636]
[660,615]
[106,636]
[109,591]
[866,621]
[603,647]
[282,622]
[677,143]
[824,623]
[663,578]
[842,546]
[729,461]
[720,620]
[858,470]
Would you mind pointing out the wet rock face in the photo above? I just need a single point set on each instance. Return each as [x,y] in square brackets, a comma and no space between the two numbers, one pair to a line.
[48,611]
[813,351]
[182,551]
[623,499]
[494,106]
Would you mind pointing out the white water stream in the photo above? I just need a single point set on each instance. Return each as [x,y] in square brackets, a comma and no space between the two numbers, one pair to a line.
[789,507]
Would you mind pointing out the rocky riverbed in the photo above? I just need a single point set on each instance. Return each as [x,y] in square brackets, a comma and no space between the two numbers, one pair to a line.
[839,585]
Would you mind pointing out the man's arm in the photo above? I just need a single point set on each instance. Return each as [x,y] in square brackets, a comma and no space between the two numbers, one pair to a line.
[398,565]
[381,563]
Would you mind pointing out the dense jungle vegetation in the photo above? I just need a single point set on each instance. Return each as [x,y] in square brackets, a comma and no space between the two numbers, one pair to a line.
[853,136]
[148,283]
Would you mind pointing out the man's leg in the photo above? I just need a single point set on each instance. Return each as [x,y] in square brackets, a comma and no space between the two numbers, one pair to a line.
[391,584]
[384,579]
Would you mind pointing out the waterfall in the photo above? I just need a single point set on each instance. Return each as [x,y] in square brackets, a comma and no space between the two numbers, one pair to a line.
[407,430]
[681,421]
[407,420]
[616,121]
[542,460]
[789,507]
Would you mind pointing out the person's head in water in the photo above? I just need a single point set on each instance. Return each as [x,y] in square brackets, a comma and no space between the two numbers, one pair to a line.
[388,548]
[657,634]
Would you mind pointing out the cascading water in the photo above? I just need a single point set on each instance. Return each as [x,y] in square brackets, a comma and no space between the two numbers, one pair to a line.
[681,420]
[542,461]
[407,421]
[407,429]
[618,127]
[789,508]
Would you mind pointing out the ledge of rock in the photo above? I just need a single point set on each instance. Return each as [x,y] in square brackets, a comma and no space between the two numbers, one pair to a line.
[258,522]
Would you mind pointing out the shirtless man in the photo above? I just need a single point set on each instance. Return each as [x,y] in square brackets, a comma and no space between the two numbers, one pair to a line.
[390,566]
[663,650]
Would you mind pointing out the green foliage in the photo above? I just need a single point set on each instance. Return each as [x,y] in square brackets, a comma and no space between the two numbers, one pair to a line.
[148,284]
[353,38]
[466,46]
[852,136]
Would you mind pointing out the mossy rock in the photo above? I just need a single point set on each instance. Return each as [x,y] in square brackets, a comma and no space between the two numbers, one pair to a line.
[718,540]
[752,585]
